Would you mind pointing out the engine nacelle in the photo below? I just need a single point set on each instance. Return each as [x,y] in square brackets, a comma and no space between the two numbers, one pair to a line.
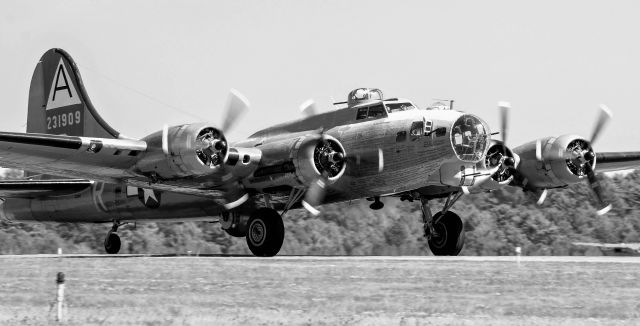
[298,161]
[562,161]
[184,151]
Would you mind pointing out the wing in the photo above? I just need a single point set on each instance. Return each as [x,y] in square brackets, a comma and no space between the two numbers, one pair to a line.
[116,161]
[108,160]
[613,161]
[41,188]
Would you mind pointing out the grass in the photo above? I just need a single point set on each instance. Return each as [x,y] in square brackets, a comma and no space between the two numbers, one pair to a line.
[321,291]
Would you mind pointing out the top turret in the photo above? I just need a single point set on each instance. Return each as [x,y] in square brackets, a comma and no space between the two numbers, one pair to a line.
[364,95]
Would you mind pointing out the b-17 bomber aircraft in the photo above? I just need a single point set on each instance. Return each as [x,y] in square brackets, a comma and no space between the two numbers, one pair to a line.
[82,170]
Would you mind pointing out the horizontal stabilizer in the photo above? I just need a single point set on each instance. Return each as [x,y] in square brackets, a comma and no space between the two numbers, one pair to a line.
[41,188]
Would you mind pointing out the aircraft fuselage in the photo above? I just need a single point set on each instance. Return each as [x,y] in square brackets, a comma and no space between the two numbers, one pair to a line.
[417,147]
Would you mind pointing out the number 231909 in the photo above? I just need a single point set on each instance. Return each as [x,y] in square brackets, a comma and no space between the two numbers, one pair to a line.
[63,120]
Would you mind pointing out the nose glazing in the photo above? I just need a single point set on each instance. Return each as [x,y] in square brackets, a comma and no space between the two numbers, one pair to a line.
[469,138]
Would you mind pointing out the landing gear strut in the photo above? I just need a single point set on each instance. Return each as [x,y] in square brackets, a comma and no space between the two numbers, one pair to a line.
[112,241]
[444,230]
[265,232]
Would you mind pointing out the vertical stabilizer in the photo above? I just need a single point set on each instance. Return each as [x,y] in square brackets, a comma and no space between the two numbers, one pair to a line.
[58,101]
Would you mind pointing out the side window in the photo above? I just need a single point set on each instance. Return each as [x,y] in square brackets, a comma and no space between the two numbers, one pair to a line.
[376,111]
[362,113]
[417,128]
[401,136]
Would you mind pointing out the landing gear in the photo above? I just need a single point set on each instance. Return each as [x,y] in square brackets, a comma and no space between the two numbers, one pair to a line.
[448,238]
[377,204]
[112,241]
[265,232]
[234,224]
[444,230]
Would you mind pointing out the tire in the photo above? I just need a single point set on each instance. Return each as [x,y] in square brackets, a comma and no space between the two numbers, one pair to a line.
[112,243]
[450,239]
[265,232]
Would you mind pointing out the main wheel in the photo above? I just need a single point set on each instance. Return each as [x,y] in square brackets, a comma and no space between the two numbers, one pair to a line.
[112,243]
[450,235]
[265,232]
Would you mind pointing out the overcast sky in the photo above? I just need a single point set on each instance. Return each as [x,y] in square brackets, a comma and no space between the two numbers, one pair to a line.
[147,63]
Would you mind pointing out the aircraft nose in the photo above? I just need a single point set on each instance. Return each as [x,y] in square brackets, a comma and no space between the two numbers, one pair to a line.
[469,138]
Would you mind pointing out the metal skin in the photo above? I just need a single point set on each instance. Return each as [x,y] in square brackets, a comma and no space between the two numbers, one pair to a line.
[190,172]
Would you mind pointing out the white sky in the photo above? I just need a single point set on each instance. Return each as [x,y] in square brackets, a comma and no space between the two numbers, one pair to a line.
[555,61]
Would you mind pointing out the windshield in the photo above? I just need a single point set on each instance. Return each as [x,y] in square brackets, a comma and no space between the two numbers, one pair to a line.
[395,107]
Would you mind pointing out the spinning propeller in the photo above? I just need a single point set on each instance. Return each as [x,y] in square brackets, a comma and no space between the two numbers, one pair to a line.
[330,160]
[580,159]
[212,147]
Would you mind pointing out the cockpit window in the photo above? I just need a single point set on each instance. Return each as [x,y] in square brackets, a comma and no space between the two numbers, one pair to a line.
[376,111]
[373,112]
[362,113]
[395,107]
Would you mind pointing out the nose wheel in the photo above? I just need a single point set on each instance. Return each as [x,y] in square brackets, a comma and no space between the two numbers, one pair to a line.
[444,230]
[448,238]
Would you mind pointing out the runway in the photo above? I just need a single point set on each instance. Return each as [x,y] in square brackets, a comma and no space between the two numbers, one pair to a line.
[323,290]
[505,259]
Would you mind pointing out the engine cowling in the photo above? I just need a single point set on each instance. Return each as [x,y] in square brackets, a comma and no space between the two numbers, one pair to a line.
[555,161]
[503,161]
[183,151]
[299,161]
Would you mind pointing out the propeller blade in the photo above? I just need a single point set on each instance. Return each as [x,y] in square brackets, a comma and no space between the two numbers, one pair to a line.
[603,207]
[237,104]
[315,195]
[603,118]
[542,197]
[504,118]
[367,157]
[539,150]
[308,108]
[165,139]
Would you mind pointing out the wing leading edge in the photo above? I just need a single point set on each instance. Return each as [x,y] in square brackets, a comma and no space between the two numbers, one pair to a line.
[70,156]
[613,161]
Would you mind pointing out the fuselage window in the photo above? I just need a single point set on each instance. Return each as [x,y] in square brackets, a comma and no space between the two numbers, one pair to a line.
[395,107]
[376,111]
[417,128]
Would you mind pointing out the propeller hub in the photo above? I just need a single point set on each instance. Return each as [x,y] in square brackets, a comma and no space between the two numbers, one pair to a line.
[589,156]
[509,162]
[220,145]
[336,157]
[329,157]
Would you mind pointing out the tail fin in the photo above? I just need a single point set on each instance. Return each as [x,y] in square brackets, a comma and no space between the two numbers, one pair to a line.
[58,101]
